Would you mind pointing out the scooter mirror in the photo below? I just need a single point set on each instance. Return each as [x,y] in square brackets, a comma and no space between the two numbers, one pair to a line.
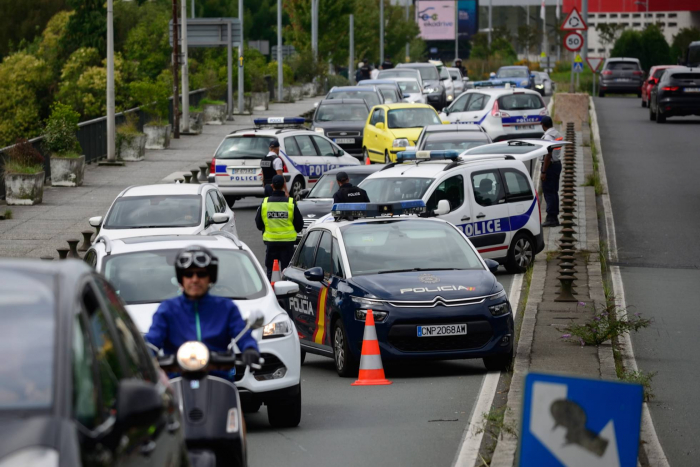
[256,319]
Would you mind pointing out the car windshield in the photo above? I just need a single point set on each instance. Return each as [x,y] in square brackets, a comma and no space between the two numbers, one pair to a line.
[658,73]
[369,96]
[380,247]
[27,336]
[387,190]
[150,212]
[397,73]
[438,142]
[622,66]
[520,102]
[409,87]
[342,113]
[327,185]
[244,147]
[390,95]
[149,276]
[427,72]
[412,118]
[693,60]
[512,73]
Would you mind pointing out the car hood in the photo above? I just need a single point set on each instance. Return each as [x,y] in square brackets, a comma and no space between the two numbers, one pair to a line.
[411,134]
[116,234]
[432,82]
[426,285]
[340,125]
[315,208]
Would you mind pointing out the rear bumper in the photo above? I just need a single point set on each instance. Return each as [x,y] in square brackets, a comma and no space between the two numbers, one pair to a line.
[624,87]
[679,106]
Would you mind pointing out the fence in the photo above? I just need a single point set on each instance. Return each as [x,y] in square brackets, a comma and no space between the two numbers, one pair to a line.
[92,136]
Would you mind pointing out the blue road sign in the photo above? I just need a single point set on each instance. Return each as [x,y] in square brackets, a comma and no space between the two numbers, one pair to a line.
[578,67]
[577,422]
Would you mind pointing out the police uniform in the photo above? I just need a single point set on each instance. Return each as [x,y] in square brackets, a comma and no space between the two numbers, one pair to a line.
[270,164]
[365,71]
[387,65]
[550,185]
[348,193]
[279,219]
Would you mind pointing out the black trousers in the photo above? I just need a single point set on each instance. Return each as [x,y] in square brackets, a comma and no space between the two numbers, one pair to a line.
[280,251]
[550,189]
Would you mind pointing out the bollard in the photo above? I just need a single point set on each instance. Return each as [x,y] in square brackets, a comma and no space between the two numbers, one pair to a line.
[187,177]
[203,173]
[194,179]
[47,258]
[62,253]
[73,246]
[566,294]
[87,235]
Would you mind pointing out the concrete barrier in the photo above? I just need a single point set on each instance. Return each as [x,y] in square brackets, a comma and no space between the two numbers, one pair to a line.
[260,100]
[571,108]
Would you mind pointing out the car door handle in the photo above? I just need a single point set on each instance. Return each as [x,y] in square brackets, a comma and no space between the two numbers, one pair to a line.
[309,288]
[466,218]
[481,215]
[173,427]
[148,448]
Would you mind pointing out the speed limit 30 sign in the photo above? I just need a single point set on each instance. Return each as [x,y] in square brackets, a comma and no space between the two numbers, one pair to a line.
[573,41]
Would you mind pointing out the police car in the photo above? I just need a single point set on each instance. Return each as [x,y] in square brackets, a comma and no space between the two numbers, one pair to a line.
[490,197]
[307,155]
[438,302]
[505,113]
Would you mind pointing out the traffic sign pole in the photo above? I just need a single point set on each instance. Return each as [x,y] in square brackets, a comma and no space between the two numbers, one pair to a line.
[571,86]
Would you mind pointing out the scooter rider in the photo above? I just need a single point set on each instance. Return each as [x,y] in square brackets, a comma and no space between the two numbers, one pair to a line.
[198,315]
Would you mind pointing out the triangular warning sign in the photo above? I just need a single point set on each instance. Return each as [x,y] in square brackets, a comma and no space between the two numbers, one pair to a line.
[594,63]
[574,22]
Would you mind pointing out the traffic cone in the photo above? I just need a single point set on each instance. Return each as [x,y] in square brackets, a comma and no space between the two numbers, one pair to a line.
[276,274]
[367,161]
[371,370]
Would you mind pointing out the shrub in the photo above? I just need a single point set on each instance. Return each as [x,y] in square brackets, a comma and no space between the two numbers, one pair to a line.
[152,96]
[604,325]
[23,158]
[127,131]
[59,135]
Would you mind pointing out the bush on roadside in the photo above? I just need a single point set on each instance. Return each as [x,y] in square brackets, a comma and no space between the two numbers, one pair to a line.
[153,97]
[60,131]
[603,326]
[23,158]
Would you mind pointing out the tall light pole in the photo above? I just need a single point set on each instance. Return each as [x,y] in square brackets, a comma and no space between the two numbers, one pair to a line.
[240,59]
[456,30]
[176,91]
[192,11]
[280,74]
[314,28]
[381,31]
[111,153]
[351,60]
[185,123]
[558,24]
[408,45]
[490,20]
[584,15]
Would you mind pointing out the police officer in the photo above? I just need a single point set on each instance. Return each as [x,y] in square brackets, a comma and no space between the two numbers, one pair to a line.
[551,170]
[347,193]
[365,71]
[272,165]
[386,64]
[279,219]
[458,64]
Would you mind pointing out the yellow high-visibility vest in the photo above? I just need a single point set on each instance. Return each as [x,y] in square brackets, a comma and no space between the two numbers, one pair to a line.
[278,218]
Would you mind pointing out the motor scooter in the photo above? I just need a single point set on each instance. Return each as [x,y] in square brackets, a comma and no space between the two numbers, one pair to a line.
[210,405]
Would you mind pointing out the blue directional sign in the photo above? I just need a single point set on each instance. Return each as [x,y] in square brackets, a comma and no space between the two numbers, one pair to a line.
[578,422]
[578,67]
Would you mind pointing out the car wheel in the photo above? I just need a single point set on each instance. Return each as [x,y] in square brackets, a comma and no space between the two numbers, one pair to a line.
[365,157]
[521,253]
[387,159]
[345,364]
[297,186]
[659,117]
[652,115]
[499,362]
[644,103]
[230,200]
[601,94]
[303,356]
[286,413]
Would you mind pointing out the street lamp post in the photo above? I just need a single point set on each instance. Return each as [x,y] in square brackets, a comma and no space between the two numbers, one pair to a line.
[645,3]
[490,20]
[280,74]
[240,59]
[111,153]
[351,61]
[408,45]
[381,31]
[185,123]
[176,90]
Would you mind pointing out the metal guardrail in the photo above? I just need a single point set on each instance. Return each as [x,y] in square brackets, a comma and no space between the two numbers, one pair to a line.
[92,135]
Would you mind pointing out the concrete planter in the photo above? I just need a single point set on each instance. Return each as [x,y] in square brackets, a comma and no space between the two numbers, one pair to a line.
[24,189]
[131,147]
[261,100]
[157,137]
[214,114]
[247,104]
[196,123]
[297,92]
[67,171]
[309,89]
[287,94]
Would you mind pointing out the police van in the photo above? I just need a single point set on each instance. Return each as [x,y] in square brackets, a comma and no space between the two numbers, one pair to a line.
[306,155]
[489,197]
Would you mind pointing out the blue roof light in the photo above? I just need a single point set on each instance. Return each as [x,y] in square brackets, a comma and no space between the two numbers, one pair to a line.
[367,210]
[437,155]
[279,121]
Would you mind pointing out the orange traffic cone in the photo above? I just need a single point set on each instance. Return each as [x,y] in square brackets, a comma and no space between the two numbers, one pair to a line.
[367,161]
[371,370]
[276,274]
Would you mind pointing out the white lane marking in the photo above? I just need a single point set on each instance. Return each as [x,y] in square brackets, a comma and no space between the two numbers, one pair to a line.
[655,452]
[471,442]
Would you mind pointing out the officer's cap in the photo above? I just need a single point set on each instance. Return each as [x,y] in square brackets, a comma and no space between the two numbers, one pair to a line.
[547,121]
[341,176]
[278,181]
[274,144]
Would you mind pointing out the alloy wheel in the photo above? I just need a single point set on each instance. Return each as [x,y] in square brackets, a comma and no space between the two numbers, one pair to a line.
[339,347]
[523,252]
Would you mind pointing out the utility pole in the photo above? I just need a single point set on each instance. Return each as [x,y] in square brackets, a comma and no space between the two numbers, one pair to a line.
[381,32]
[111,153]
[456,30]
[584,15]
[176,91]
[314,28]
[229,69]
[558,25]
[192,15]
[280,74]
[185,72]
[543,14]
[408,45]
[490,20]
[240,59]
[351,61]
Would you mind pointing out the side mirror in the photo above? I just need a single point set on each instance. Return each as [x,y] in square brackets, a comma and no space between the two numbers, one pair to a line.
[443,207]
[220,218]
[379,125]
[286,289]
[316,104]
[652,81]
[444,78]
[314,274]
[447,111]
[304,193]
[95,221]
[492,265]
[138,404]
[256,319]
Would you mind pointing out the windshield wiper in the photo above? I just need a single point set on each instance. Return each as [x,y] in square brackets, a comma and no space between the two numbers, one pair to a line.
[419,269]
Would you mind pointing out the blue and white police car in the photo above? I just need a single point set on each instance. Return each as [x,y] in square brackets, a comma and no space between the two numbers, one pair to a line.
[505,113]
[431,293]
[235,167]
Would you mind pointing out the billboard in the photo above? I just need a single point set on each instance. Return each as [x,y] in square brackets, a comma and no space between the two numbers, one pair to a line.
[436,19]
[468,18]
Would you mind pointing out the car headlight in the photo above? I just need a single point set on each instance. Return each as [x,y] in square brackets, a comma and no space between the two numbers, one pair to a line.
[277,329]
[449,98]
[430,90]
[192,356]
[539,85]
[319,130]
[32,457]
[361,315]
[400,143]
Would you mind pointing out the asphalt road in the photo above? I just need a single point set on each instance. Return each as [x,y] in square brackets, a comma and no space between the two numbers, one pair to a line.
[419,420]
[653,170]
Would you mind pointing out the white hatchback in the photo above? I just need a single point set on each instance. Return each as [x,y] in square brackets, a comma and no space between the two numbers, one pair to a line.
[166,209]
[142,272]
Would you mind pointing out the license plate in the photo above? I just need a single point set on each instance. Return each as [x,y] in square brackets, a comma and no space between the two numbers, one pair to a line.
[622,79]
[524,127]
[344,140]
[439,330]
[242,171]
[691,89]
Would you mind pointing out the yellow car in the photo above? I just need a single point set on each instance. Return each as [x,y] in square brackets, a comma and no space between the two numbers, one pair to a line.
[391,128]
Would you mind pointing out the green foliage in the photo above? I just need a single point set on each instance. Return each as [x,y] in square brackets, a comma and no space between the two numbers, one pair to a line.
[7,214]
[22,21]
[152,96]
[130,126]
[25,80]
[628,44]
[51,38]
[147,42]
[501,48]
[23,158]
[87,27]
[640,377]
[529,36]
[603,326]
[649,46]
[288,76]
[608,32]
[337,80]
[207,101]
[681,41]
[59,133]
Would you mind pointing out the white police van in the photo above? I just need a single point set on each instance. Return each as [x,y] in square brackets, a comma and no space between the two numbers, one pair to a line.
[491,198]
[505,113]
[307,155]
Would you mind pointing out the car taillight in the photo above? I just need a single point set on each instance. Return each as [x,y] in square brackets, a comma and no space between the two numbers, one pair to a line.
[607,73]
[212,169]
[284,167]
[637,73]
[494,111]
[505,114]
[670,88]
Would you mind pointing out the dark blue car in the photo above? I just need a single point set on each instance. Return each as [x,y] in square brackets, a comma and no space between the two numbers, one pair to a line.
[432,295]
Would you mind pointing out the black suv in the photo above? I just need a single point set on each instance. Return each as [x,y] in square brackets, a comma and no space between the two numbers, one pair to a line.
[621,75]
[677,94]
[343,121]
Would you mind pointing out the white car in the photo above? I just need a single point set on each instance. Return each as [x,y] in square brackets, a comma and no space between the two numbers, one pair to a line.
[411,90]
[142,272]
[166,209]
[457,80]
[446,80]
[306,154]
[505,113]
[543,83]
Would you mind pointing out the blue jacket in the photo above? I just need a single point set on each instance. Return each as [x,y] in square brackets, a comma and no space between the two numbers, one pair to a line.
[175,323]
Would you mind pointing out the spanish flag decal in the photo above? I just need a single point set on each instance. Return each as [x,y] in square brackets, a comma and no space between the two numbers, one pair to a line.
[320,332]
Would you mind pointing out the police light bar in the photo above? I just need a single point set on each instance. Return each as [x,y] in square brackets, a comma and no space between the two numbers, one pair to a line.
[436,155]
[366,210]
[279,121]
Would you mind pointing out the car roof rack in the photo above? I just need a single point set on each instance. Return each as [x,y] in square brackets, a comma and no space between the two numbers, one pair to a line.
[229,235]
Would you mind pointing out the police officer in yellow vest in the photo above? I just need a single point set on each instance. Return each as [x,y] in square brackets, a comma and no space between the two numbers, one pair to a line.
[279,219]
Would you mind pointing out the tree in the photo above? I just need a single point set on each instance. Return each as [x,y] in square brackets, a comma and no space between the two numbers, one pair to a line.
[682,40]
[24,20]
[628,45]
[608,33]
[147,43]
[87,27]
[656,50]
[528,37]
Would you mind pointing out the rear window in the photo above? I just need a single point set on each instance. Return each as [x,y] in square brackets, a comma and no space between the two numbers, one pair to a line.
[327,185]
[695,76]
[143,212]
[622,66]
[445,142]
[244,147]
[512,73]
[369,96]
[520,102]
[409,87]
[342,113]
[397,73]
[658,73]
[387,190]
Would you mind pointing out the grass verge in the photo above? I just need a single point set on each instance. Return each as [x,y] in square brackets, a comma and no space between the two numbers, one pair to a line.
[7,214]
